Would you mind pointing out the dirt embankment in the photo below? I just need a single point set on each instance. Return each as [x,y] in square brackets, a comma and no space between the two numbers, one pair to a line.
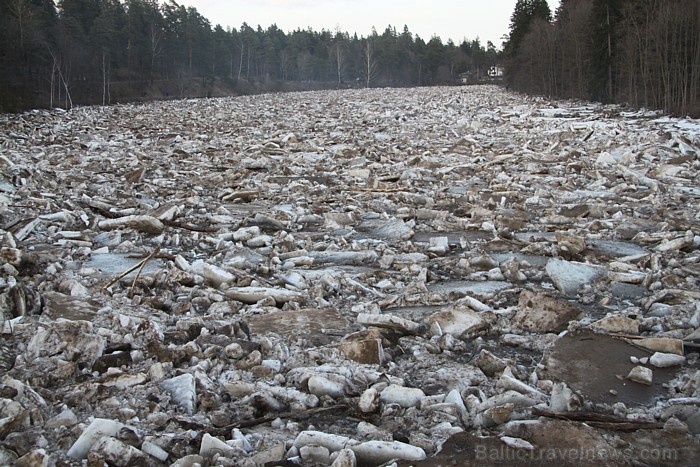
[130,91]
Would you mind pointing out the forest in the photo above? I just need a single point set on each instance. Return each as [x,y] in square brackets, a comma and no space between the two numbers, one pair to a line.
[70,52]
[645,53]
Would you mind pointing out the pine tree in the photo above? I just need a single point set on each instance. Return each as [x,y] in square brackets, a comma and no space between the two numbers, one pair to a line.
[605,18]
[525,12]
[519,68]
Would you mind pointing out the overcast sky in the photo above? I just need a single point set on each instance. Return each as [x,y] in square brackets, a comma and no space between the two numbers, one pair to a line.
[449,19]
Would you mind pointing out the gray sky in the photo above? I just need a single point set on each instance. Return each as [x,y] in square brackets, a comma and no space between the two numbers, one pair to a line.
[449,19]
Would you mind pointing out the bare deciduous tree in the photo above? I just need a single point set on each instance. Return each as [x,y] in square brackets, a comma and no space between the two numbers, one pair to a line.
[22,12]
[57,69]
[644,52]
[371,67]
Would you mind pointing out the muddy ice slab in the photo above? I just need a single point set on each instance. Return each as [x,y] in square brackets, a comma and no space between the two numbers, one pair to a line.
[615,249]
[113,264]
[542,313]
[597,366]
[570,277]
[315,326]
[252,295]
[460,321]
[483,290]
[58,305]
[565,443]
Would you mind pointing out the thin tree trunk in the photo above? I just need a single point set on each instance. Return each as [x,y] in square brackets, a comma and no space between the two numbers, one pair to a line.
[53,79]
[695,65]
[247,70]
[610,83]
[65,85]
[240,63]
[104,79]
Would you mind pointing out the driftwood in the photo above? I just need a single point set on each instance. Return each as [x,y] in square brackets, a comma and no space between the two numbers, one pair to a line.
[190,423]
[103,211]
[261,420]
[165,256]
[380,190]
[193,228]
[599,420]
[140,265]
